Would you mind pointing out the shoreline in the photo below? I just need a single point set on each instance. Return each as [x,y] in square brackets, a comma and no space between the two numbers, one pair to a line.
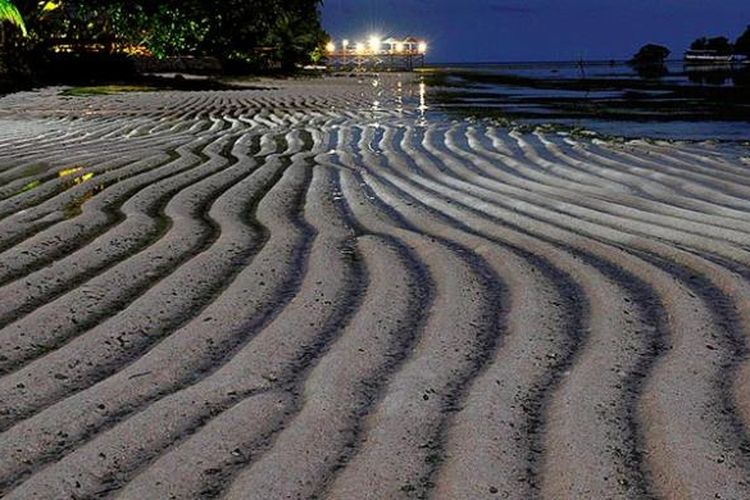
[631,107]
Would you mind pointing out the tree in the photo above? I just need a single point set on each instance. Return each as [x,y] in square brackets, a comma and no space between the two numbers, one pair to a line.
[699,44]
[295,34]
[651,54]
[649,61]
[163,31]
[742,45]
[255,33]
[264,32]
[720,45]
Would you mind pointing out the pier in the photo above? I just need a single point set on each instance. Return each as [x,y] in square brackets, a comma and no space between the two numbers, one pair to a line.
[376,54]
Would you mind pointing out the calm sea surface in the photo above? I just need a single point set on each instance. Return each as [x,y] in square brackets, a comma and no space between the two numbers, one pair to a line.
[675,102]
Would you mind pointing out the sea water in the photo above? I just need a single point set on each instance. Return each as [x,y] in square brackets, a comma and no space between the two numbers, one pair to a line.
[679,101]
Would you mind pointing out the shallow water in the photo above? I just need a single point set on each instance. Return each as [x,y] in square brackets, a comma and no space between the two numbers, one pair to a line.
[676,72]
[684,102]
[692,131]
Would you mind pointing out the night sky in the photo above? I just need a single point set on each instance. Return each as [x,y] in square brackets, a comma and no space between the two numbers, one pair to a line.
[538,30]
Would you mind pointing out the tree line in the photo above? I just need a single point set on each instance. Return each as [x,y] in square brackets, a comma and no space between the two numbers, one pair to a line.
[653,54]
[255,33]
[722,46]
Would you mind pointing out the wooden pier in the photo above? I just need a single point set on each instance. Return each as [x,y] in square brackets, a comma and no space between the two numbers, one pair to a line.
[377,55]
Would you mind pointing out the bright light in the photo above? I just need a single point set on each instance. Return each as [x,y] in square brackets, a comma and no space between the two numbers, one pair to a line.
[374,43]
[399,47]
[361,48]
[422,47]
[345,44]
[330,47]
[50,6]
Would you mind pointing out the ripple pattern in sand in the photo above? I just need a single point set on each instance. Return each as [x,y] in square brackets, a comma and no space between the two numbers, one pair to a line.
[285,293]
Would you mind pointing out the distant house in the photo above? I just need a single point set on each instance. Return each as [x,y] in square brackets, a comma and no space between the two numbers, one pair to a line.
[411,44]
[408,45]
[379,47]
[391,45]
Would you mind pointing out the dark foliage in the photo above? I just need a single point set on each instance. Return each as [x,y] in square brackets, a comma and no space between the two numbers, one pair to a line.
[720,44]
[256,34]
[742,45]
[649,61]
[651,54]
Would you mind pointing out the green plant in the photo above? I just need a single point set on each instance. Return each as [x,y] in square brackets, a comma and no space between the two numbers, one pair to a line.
[9,13]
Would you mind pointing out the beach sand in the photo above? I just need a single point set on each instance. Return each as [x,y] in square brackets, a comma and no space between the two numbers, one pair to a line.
[320,289]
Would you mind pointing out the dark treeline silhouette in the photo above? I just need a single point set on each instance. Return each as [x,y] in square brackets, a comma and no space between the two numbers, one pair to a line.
[653,54]
[252,35]
[742,45]
[719,45]
[649,61]
[723,46]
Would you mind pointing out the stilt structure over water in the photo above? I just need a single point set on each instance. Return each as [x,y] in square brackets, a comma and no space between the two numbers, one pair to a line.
[376,54]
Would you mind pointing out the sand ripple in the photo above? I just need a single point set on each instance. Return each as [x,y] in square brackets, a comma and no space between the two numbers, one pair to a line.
[314,291]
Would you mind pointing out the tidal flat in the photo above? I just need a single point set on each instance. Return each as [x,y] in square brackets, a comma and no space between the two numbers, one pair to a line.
[334,288]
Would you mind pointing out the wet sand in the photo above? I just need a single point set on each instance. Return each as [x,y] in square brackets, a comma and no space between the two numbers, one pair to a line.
[318,290]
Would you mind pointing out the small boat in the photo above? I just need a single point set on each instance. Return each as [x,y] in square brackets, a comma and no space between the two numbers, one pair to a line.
[707,56]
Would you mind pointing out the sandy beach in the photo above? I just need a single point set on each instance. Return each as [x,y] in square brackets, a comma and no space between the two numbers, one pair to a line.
[320,289]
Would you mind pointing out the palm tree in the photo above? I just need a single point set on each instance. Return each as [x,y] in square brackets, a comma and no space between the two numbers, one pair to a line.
[294,36]
[9,13]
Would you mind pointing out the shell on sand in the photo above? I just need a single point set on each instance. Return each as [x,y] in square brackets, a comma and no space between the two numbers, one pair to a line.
[311,289]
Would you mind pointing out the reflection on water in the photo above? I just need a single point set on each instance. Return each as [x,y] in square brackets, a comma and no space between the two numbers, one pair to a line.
[422,102]
[718,74]
[404,97]
[376,105]
[675,100]
[675,72]
[399,97]
[698,74]
[651,71]
[679,130]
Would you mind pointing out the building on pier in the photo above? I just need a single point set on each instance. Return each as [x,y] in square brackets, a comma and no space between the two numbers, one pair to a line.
[376,54]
